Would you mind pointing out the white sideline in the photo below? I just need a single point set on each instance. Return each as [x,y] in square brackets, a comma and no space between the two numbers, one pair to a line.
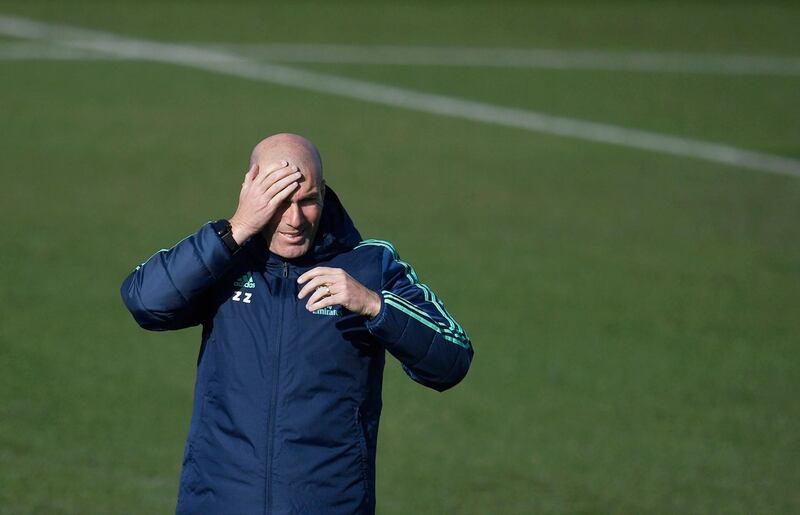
[229,64]
[535,58]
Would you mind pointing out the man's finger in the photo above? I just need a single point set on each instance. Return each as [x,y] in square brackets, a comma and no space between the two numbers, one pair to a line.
[283,194]
[275,175]
[270,169]
[318,295]
[278,174]
[265,180]
[264,185]
[251,174]
[281,183]
[313,284]
[315,272]
[331,300]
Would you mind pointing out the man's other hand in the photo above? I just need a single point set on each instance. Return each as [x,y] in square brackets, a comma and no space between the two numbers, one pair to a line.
[331,286]
[262,193]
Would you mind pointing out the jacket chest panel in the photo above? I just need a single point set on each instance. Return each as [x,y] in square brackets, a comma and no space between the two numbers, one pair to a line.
[254,304]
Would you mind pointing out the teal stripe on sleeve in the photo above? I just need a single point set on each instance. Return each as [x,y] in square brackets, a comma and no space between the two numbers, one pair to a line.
[424,321]
[409,305]
[453,326]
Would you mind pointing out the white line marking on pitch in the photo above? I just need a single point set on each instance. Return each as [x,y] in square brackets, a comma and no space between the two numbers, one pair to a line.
[660,62]
[27,50]
[536,58]
[229,64]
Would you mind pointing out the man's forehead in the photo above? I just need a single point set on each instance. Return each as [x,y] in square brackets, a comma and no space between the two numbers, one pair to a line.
[306,163]
[289,151]
[308,188]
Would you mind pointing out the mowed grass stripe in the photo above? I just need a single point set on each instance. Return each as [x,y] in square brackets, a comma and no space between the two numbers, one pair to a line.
[229,64]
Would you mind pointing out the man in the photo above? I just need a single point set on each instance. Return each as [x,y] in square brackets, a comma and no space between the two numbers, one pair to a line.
[297,312]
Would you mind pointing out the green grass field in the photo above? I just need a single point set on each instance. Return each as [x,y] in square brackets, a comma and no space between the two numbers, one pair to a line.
[636,315]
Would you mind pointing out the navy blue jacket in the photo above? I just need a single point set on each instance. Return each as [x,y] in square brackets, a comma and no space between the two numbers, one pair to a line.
[287,402]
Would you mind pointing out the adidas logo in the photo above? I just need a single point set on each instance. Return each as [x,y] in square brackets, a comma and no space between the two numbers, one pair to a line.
[245,281]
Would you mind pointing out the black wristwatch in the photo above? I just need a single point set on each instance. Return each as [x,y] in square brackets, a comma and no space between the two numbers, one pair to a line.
[223,229]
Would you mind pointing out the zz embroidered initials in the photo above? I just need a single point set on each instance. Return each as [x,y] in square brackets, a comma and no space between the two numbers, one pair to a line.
[237,296]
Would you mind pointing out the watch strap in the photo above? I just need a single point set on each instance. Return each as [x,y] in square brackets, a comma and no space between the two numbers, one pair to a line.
[223,229]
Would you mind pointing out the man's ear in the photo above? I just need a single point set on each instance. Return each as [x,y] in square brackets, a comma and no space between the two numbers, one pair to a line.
[322,193]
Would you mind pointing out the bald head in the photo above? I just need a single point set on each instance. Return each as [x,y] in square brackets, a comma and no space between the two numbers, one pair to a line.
[292,228]
[295,149]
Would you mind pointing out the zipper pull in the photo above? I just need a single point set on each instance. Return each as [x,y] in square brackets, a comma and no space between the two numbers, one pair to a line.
[285,269]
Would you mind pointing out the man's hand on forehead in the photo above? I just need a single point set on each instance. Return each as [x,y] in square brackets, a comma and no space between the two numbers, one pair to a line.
[263,173]
[263,191]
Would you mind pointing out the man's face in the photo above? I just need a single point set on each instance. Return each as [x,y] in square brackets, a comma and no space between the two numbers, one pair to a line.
[291,231]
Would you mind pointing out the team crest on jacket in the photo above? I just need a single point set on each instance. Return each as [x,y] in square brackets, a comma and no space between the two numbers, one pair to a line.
[245,281]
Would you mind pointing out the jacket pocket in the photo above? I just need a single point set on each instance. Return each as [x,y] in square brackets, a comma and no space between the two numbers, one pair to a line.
[362,446]
[188,477]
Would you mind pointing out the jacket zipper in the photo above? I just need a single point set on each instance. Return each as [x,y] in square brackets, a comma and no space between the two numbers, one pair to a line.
[274,397]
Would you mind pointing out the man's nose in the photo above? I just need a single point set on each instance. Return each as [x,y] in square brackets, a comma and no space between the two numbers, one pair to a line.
[294,215]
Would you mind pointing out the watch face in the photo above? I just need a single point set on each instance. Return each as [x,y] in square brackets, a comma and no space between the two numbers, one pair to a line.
[222,227]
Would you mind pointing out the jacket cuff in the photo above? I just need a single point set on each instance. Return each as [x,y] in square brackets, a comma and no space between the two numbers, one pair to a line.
[381,326]
[377,320]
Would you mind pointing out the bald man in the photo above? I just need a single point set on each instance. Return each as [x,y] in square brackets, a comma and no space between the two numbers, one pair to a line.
[297,314]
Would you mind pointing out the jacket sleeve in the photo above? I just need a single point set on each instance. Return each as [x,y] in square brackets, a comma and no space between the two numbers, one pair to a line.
[416,328]
[170,290]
